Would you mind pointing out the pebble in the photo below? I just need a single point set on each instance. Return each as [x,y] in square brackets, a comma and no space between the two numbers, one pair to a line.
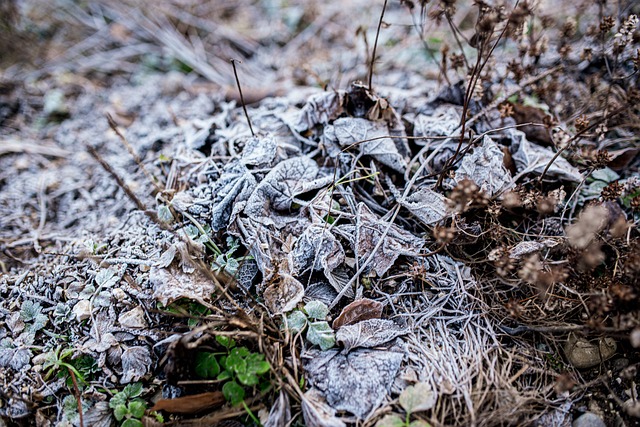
[82,310]
[588,419]
[583,353]
[133,319]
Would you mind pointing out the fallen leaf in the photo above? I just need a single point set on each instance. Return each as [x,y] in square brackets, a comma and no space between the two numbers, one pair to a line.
[191,404]
[284,294]
[485,167]
[172,284]
[416,398]
[136,362]
[357,311]
[357,381]
[349,131]
[369,230]
[317,413]
[369,333]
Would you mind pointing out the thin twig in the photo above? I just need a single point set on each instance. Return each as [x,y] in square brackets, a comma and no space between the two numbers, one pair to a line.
[375,45]
[244,106]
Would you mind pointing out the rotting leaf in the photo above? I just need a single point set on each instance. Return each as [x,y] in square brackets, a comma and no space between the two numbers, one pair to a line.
[416,398]
[485,167]
[349,131]
[370,228]
[358,310]
[172,284]
[316,248]
[136,362]
[191,404]
[317,413]
[235,185]
[284,294]
[12,357]
[369,333]
[357,381]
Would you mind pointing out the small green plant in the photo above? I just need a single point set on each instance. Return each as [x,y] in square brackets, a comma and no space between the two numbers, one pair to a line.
[58,361]
[312,317]
[237,367]
[415,398]
[31,315]
[193,309]
[128,407]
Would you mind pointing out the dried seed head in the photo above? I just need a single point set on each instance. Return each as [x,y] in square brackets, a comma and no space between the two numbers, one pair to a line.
[612,191]
[607,24]
[582,123]
[444,235]
[591,221]
[511,200]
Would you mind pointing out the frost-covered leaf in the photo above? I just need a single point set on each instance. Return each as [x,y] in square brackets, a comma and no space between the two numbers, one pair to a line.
[369,333]
[133,318]
[234,185]
[12,357]
[106,277]
[259,150]
[171,284]
[316,310]
[391,420]
[276,192]
[317,413]
[534,158]
[349,131]
[99,415]
[317,248]
[443,121]
[485,167]
[284,294]
[416,398]
[296,321]
[164,214]
[136,362]
[320,108]
[361,309]
[357,381]
[529,247]
[321,334]
[427,205]
[30,310]
[62,314]
[397,241]
[167,257]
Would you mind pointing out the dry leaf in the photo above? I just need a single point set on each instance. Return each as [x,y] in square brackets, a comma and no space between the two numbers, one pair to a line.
[369,230]
[349,131]
[172,284]
[136,362]
[317,413]
[357,311]
[416,398]
[280,413]
[191,404]
[485,167]
[357,381]
[284,294]
[369,333]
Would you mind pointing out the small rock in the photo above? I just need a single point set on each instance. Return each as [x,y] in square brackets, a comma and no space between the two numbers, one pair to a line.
[82,310]
[588,419]
[133,318]
[620,364]
[585,354]
[635,338]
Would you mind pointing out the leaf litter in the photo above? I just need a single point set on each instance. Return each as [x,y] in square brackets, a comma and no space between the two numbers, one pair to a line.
[335,208]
